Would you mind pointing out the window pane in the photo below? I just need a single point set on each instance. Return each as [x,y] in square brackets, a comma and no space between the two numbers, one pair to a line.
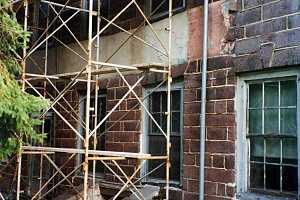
[271,94]
[288,93]
[290,179]
[271,121]
[288,121]
[176,123]
[289,151]
[164,101]
[257,149]
[273,177]
[155,102]
[157,146]
[273,150]
[164,122]
[154,128]
[255,96]
[175,100]
[256,175]
[175,158]
[255,122]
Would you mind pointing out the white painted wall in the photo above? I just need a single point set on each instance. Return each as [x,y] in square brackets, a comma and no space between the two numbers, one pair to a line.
[134,52]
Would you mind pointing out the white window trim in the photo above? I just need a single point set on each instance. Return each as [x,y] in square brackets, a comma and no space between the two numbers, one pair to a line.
[242,153]
[145,125]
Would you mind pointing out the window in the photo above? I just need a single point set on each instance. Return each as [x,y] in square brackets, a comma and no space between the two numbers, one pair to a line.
[100,138]
[160,8]
[156,141]
[270,132]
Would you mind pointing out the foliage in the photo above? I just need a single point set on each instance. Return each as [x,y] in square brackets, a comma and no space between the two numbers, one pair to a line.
[17,108]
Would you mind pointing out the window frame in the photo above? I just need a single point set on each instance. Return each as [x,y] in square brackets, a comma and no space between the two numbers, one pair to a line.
[242,153]
[79,142]
[144,141]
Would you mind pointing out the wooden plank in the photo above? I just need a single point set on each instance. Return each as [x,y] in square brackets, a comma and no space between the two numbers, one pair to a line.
[91,152]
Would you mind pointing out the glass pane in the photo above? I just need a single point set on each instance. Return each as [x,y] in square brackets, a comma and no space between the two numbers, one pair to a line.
[271,121]
[273,177]
[290,179]
[289,151]
[164,101]
[257,149]
[175,158]
[175,100]
[155,102]
[255,121]
[176,123]
[255,96]
[273,150]
[288,121]
[271,94]
[256,175]
[288,93]
[157,146]
[164,122]
[154,128]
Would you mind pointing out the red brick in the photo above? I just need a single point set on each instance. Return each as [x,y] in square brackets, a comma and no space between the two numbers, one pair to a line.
[120,92]
[229,161]
[189,159]
[131,126]
[114,82]
[190,196]
[219,175]
[218,161]
[210,188]
[216,133]
[191,172]
[230,191]
[191,120]
[221,189]
[230,106]
[191,132]
[131,147]
[195,146]
[220,107]
[114,146]
[220,146]
[220,120]
[190,95]
[231,133]
[193,185]
[226,92]
[190,108]
[220,77]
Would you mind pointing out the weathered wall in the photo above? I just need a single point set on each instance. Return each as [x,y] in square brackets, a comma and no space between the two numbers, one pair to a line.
[268,34]
[133,52]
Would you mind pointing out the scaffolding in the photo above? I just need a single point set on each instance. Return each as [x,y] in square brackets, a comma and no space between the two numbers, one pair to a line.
[89,75]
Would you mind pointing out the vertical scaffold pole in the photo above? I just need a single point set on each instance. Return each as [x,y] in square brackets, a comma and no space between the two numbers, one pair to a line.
[96,94]
[169,81]
[19,158]
[88,98]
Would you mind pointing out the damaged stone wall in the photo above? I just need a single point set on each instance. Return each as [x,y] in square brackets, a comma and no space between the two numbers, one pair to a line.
[267,34]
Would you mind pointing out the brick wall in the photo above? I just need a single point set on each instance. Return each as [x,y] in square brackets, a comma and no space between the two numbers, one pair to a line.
[220,128]
[123,135]
[267,34]
[65,137]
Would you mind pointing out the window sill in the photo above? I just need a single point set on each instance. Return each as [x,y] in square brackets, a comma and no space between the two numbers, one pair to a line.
[159,182]
[256,196]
